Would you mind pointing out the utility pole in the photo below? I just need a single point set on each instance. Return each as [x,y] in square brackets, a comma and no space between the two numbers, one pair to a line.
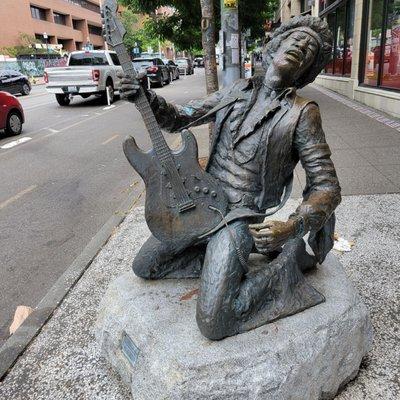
[230,41]
[208,41]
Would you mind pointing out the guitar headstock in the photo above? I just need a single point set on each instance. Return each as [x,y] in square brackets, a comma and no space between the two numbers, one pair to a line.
[113,29]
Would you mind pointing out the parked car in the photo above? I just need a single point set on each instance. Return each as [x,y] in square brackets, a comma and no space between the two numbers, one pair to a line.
[14,82]
[185,66]
[172,68]
[11,114]
[156,70]
[87,73]
[199,61]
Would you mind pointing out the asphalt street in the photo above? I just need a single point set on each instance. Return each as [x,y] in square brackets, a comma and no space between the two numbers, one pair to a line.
[61,183]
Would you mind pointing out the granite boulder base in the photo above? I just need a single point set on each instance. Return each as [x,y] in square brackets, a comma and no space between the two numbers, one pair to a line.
[148,333]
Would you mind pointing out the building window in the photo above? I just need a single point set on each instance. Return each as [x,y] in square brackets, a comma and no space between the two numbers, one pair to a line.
[86,4]
[382,44]
[38,13]
[340,18]
[60,19]
[95,30]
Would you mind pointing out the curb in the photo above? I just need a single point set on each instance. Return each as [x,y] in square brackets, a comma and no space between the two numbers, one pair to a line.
[16,344]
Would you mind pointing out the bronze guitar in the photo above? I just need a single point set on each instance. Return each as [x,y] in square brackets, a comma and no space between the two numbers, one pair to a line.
[183,202]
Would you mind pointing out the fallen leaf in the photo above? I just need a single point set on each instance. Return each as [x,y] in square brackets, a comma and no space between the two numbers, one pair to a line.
[189,295]
[342,245]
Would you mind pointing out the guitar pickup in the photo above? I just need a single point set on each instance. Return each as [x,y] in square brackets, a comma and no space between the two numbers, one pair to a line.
[186,206]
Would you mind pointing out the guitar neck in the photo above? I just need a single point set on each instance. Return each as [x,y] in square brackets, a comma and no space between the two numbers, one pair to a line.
[160,145]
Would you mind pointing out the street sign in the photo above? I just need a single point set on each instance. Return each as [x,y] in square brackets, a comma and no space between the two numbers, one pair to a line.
[231,3]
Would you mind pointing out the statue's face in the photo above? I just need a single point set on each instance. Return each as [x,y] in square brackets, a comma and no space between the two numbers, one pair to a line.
[293,58]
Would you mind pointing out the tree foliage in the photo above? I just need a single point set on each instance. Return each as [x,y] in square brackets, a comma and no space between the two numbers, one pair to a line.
[183,27]
[26,45]
[138,33]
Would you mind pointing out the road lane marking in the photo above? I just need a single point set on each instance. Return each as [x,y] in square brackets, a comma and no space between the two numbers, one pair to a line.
[110,139]
[35,95]
[37,106]
[15,143]
[36,139]
[109,107]
[17,196]
[53,130]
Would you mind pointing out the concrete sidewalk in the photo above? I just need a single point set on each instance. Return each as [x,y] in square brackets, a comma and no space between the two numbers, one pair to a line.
[365,144]
[63,362]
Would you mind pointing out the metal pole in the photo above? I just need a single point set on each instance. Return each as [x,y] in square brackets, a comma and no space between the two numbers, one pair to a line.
[231,38]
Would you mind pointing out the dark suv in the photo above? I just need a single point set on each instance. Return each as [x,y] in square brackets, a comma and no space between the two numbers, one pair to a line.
[156,70]
[14,82]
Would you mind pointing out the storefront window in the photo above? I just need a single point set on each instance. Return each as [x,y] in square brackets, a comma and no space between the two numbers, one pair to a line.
[391,66]
[340,45]
[382,68]
[341,23]
[305,6]
[348,57]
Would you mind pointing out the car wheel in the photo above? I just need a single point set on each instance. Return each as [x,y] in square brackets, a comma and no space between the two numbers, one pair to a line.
[14,123]
[168,81]
[178,75]
[63,99]
[25,89]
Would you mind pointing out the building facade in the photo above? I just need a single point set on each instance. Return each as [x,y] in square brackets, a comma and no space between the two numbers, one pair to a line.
[365,62]
[71,23]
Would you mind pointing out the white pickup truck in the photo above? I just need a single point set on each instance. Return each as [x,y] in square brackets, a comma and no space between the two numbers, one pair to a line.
[87,73]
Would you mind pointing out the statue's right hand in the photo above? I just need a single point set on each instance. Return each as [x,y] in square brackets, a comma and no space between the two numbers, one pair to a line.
[129,86]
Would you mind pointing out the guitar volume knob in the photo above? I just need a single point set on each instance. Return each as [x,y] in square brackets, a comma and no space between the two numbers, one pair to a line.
[205,190]
[197,189]
[214,194]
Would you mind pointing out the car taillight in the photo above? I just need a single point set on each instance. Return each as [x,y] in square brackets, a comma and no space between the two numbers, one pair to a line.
[96,75]
[46,77]
[152,70]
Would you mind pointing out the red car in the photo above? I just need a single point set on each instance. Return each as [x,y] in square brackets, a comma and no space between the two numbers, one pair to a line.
[11,114]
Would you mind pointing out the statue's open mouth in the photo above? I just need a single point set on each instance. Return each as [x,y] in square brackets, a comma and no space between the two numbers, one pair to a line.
[294,55]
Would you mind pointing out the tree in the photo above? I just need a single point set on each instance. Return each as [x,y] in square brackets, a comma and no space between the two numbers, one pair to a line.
[184,26]
[208,42]
[26,46]
[138,31]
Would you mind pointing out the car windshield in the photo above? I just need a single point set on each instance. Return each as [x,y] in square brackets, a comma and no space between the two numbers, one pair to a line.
[88,58]
[181,62]
[142,64]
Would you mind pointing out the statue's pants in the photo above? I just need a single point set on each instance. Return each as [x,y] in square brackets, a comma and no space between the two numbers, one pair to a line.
[226,296]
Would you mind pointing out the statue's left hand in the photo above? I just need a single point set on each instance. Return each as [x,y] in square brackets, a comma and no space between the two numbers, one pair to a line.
[271,235]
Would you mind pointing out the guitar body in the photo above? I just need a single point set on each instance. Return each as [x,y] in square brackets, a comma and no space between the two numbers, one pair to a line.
[164,217]
[183,202]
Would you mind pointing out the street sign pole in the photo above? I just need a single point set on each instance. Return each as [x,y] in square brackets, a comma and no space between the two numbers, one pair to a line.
[231,41]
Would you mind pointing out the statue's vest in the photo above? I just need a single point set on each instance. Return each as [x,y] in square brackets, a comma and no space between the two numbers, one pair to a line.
[280,158]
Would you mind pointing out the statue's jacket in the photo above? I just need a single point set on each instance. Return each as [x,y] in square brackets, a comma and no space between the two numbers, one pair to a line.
[294,134]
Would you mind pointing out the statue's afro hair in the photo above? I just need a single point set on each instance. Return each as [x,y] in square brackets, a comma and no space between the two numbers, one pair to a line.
[320,27]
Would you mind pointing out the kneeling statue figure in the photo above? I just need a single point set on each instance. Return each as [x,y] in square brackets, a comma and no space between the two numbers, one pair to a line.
[262,129]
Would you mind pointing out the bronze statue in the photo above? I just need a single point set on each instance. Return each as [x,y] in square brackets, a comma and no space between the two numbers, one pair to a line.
[262,130]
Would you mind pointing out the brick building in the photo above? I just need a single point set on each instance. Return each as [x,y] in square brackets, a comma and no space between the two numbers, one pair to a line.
[70,23]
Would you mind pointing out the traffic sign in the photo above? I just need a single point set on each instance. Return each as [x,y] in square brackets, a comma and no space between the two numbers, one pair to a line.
[231,3]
